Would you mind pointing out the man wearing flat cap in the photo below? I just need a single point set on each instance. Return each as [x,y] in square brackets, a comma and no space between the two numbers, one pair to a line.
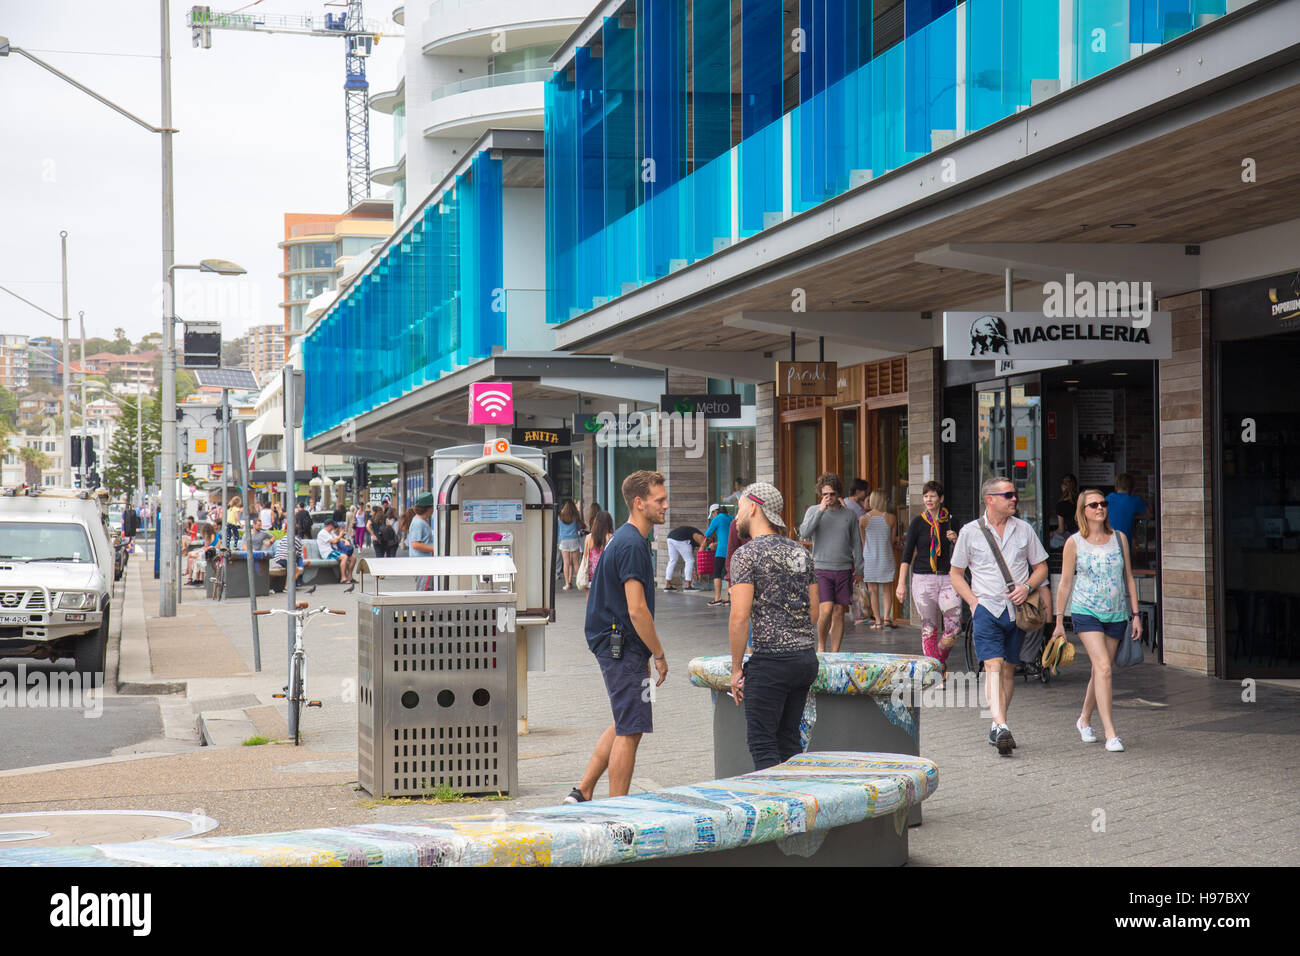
[419,537]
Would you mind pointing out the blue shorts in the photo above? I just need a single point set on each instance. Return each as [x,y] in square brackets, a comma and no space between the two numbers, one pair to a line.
[628,682]
[1116,630]
[996,636]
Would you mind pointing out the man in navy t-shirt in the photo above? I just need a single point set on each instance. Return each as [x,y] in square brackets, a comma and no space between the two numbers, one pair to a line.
[620,631]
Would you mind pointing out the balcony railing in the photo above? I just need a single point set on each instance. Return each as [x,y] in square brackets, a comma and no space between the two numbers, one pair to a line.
[535,75]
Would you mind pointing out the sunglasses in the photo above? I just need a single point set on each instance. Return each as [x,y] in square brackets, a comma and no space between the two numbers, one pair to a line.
[1095,504]
[1004,494]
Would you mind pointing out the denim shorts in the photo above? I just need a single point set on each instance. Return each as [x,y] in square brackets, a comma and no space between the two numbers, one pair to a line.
[996,636]
[1116,630]
[627,681]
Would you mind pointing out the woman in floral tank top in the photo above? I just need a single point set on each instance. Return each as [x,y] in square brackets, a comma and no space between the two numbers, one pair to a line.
[1097,586]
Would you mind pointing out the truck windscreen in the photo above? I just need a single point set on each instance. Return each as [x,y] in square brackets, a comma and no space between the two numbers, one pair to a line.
[41,541]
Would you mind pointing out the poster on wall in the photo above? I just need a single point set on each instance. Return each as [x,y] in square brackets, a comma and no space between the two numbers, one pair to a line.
[1099,417]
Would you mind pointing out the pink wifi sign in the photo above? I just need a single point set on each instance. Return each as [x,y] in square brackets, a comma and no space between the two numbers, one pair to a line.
[491,403]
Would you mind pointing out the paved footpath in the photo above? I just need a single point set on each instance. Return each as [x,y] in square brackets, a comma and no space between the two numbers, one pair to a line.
[1208,779]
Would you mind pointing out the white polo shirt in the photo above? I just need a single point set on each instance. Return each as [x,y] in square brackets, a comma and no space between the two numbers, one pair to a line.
[1020,549]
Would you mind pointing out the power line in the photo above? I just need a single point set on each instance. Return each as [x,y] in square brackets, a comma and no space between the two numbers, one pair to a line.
[146,56]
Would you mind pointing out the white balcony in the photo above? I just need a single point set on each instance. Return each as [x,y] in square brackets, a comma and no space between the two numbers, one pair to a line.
[387,175]
[473,112]
[467,27]
[389,100]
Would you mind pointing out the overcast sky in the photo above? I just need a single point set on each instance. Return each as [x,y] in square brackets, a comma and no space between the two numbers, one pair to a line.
[261,134]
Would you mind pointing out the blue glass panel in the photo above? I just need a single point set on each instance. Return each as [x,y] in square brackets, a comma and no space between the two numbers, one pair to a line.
[1101,30]
[661,26]
[918,14]
[561,196]
[931,77]
[711,80]
[762,51]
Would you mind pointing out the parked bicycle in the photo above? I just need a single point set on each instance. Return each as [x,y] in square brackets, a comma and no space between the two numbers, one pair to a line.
[295,692]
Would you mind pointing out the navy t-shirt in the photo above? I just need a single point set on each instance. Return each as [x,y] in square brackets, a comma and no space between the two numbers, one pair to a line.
[625,557]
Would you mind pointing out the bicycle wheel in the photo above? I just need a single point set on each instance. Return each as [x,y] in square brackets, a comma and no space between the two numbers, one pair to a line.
[297,681]
[968,645]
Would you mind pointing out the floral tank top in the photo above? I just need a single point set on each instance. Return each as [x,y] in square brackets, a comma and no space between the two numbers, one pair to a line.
[1099,580]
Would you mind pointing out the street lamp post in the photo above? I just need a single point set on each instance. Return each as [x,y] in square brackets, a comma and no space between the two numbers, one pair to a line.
[170,591]
[166,595]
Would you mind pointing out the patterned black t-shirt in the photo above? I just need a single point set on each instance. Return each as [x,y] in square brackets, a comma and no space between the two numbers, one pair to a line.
[781,572]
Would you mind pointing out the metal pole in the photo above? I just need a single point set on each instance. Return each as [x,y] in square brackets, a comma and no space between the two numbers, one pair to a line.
[169,592]
[291,573]
[225,466]
[67,361]
[241,444]
[1008,279]
[139,446]
[85,412]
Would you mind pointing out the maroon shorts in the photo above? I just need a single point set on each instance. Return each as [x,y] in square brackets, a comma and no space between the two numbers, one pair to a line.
[835,587]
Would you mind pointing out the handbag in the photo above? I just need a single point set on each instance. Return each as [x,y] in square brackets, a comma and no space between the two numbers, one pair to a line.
[583,578]
[1129,651]
[704,563]
[1031,615]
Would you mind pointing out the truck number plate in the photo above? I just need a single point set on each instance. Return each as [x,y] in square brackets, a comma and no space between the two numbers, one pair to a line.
[14,618]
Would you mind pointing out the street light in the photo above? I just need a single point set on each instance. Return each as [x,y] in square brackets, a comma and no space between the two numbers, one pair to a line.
[167,596]
[167,480]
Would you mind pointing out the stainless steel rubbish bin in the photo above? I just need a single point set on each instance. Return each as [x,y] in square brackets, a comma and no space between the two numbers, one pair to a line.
[437,692]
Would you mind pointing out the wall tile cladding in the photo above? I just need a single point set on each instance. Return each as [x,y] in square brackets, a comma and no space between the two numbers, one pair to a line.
[1187,532]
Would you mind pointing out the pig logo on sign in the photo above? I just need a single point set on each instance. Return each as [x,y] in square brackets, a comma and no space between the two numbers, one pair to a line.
[988,333]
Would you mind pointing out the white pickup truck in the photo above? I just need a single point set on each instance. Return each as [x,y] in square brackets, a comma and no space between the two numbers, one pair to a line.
[56,576]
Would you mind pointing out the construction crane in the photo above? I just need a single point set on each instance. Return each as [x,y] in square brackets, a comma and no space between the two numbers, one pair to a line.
[359,36]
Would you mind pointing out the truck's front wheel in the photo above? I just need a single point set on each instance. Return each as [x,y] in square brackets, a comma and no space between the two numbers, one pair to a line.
[92,653]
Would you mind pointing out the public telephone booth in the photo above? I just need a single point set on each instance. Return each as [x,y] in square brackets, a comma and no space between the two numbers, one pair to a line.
[496,499]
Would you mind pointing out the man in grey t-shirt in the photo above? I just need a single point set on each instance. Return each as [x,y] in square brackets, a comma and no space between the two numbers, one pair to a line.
[772,588]
[837,556]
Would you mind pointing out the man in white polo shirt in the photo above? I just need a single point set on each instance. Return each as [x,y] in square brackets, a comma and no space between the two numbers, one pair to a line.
[993,605]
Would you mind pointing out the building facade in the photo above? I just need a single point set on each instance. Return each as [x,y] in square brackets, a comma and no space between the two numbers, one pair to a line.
[15,372]
[264,350]
[902,168]
[466,68]
[314,244]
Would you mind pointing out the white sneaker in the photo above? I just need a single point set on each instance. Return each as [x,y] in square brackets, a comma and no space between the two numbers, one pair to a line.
[1114,745]
[1087,733]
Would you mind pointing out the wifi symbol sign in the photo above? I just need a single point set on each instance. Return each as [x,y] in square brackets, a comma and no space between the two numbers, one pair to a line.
[491,403]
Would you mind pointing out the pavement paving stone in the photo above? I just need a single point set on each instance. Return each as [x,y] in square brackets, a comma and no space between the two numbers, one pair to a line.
[1177,795]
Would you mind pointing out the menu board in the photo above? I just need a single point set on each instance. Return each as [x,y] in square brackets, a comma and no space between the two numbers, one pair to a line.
[1100,442]
[491,510]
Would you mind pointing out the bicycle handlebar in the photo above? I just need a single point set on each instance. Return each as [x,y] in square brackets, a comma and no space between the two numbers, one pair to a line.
[301,611]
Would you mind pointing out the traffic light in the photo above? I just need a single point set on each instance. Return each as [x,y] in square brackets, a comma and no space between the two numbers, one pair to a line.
[90,451]
[76,451]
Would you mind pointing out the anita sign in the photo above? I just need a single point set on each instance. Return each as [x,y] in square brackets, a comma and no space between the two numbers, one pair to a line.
[1013,336]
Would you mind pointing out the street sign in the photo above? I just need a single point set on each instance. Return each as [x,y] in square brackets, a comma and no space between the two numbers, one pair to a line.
[710,406]
[542,437]
[202,345]
[806,378]
[1013,336]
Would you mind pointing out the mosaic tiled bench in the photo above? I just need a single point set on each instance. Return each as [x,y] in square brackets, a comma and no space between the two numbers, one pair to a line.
[850,708]
[823,809]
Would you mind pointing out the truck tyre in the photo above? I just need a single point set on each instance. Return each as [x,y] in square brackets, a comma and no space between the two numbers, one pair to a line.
[92,652]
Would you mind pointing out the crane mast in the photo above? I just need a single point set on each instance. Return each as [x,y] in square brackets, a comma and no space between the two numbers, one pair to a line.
[359,36]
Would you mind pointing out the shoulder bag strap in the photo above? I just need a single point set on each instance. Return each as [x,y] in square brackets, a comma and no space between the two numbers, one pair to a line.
[1123,571]
[997,553]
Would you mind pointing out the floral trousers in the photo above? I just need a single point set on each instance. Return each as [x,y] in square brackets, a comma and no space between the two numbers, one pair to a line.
[932,593]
